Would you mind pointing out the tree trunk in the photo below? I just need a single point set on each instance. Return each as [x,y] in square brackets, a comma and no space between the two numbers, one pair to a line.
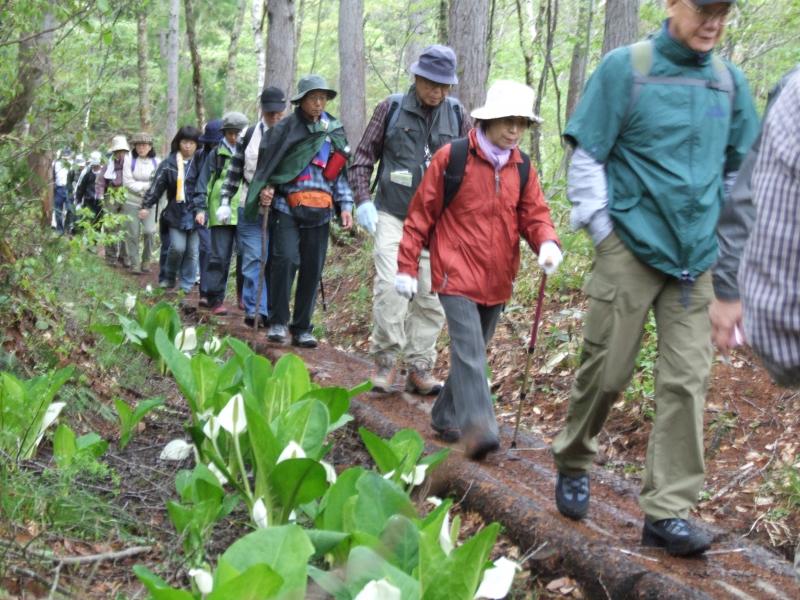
[442,22]
[352,71]
[257,12]
[417,19]
[622,24]
[197,73]
[316,37]
[469,21]
[299,19]
[233,47]
[280,44]
[528,34]
[145,120]
[171,127]
[580,53]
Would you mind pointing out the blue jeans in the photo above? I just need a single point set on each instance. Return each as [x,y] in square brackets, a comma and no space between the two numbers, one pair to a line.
[181,258]
[248,234]
[61,206]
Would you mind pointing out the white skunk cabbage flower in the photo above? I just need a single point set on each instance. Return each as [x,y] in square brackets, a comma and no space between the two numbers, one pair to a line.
[292,517]
[259,514]
[389,475]
[130,302]
[50,415]
[445,541]
[292,450]
[434,500]
[416,477]
[203,580]
[378,590]
[497,580]
[212,346]
[217,473]
[148,289]
[186,340]
[176,450]
[211,428]
[330,472]
[232,417]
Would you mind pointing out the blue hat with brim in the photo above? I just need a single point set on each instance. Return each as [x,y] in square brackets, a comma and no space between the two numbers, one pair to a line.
[437,63]
[212,134]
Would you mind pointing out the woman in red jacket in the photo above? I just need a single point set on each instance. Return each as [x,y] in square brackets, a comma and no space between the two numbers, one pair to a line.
[474,247]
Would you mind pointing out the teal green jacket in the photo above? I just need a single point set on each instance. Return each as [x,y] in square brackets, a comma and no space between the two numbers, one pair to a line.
[666,154]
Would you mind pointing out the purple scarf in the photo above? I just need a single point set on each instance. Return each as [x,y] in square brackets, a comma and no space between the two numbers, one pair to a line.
[497,155]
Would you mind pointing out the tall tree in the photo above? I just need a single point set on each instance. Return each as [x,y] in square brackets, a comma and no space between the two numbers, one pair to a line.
[233,47]
[621,25]
[145,120]
[352,70]
[549,25]
[257,14]
[469,21]
[441,22]
[280,44]
[580,54]
[171,51]
[197,71]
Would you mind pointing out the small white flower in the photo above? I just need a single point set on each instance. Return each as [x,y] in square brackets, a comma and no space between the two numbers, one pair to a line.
[50,415]
[212,346]
[211,428]
[203,580]
[213,468]
[330,472]
[497,580]
[176,450]
[292,517]
[416,477]
[445,541]
[389,475]
[378,590]
[148,288]
[232,417]
[434,500]
[292,450]
[59,259]
[130,302]
[186,340]
[259,514]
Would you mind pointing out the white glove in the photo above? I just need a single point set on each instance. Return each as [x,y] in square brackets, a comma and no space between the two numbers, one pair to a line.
[549,257]
[405,285]
[224,213]
[367,216]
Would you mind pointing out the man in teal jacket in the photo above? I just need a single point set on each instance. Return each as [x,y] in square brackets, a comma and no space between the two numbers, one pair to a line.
[660,128]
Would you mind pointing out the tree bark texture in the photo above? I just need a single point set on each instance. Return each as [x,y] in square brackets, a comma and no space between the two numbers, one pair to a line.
[469,21]
[145,120]
[171,127]
[197,64]
[442,22]
[580,53]
[257,13]
[621,24]
[528,34]
[280,44]
[352,70]
[233,47]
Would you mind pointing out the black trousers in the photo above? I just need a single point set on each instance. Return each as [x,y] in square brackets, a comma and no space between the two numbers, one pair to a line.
[294,248]
[223,238]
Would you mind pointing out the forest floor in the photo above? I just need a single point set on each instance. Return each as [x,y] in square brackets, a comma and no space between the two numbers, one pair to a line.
[752,491]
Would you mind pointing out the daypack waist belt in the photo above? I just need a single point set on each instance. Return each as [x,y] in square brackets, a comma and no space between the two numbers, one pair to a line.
[311,198]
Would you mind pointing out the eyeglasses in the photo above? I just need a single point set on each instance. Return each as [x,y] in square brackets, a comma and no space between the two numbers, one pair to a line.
[706,14]
[444,87]
[316,97]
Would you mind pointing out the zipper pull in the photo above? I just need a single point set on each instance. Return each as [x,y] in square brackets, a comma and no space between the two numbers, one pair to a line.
[496,182]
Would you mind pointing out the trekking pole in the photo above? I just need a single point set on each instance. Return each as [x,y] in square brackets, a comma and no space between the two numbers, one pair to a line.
[322,294]
[531,346]
[261,267]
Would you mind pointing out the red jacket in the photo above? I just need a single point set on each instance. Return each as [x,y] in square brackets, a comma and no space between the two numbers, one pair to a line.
[474,244]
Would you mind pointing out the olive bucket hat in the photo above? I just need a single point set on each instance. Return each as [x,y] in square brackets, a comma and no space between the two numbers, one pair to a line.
[234,120]
[309,83]
[142,137]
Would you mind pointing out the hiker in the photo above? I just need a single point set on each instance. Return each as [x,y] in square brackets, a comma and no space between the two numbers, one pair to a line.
[735,224]
[248,230]
[110,192]
[300,174]
[404,132]
[221,220]
[212,136]
[179,215]
[85,189]
[474,240]
[77,167]
[137,174]
[660,125]
[60,170]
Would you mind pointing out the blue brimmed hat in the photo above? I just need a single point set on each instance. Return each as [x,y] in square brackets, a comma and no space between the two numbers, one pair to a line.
[437,63]
[212,134]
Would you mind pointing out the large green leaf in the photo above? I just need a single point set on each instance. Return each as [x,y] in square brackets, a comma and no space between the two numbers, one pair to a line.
[181,368]
[379,500]
[365,565]
[332,508]
[297,481]
[407,446]
[400,543]
[111,332]
[291,369]
[285,549]
[325,541]
[335,399]
[206,376]
[264,446]
[258,582]
[361,388]
[129,418]
[158,588]
[305,422]
[164,317]
[380,450]
[64,446]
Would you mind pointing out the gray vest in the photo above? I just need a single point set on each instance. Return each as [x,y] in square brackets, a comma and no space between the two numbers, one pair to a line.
[404,157]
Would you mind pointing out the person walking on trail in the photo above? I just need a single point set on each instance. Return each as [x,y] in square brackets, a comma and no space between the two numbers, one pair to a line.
[61,169]
[137,174]
[179,215]
[301,173]
[77,167]
[85,189]
[474,240]
[110,191]
[735,224]
[221,220]
[248,231]
[659,127]
[404,132]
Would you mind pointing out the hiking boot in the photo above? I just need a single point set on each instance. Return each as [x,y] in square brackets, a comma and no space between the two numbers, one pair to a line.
[677,536]
[449,435]
[572,495]
[166,285]
[203,302]
[145,268]
[385,373]
[477,444]
[277,333]
[304,340]
[421,381]
[219,310]
[250,320]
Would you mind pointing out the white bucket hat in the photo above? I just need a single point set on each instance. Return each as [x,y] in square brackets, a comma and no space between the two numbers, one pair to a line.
[119,142]
[507,99]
